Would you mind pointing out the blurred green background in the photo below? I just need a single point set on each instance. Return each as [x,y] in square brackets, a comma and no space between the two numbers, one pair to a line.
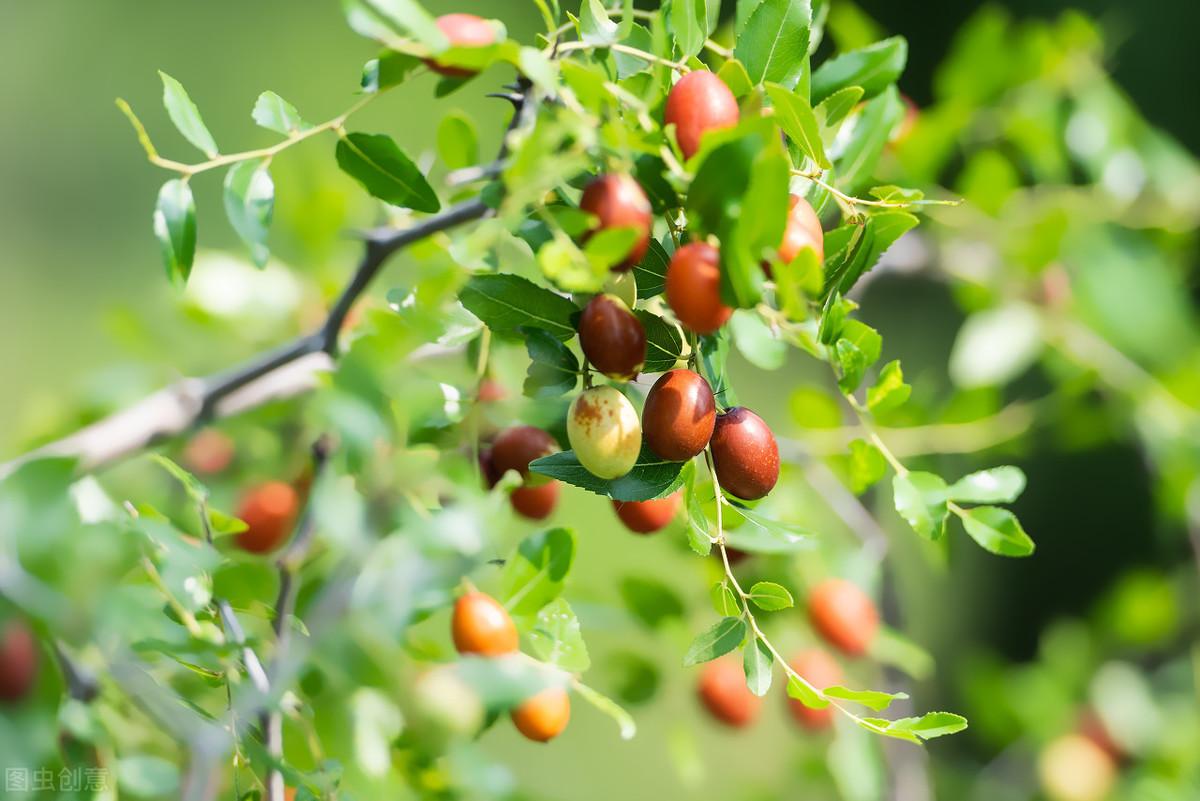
[83,294]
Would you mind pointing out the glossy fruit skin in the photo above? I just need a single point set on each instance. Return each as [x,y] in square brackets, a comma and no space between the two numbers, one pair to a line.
[723,691]
[698,103]
[269,510]
[745,454]
[481,625]
[618,201]
[463,30]
[18,662]
[679,415]
[535,502]
[612,338]
[803,230]
[604,431]
[514,448]
[543,717]
[1073,768]
[693,288]
[647,517]
[843,615]
[820,670]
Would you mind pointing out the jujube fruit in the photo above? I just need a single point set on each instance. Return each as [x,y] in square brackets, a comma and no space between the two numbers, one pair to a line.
[514,448]
[490,391]
[693,288]
[803,230]
[481,625]
[612,338]
[269,512]
[646,517]
[700,102]
[208,452]
[1073,768]
[679,415]
[844,615]
[543,716]
[18,661]
[820,670]
[535,502]
[604,431]
[745,454]
[463,30]
[723,691]
[617,201]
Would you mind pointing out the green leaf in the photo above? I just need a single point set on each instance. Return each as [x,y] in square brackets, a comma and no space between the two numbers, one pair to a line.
[276,114]
[755,340]
[175,228]
[896,194]
[147,777]
[867,465]
[724,600]
[651,476]
[610,246]
[595,27]
[457,142]
[757,662]
[553,367]
[995,485]
[773,41]
[920,499]
[699,534]
[651,601]
[714,353]
[412,19]
[533,576]
[390,69]
[997,530]
[872,130]
[186,116]
[873,68]
[798,121]
[385,171]
[733,73]
[852,365]
[770,597]
[890,390]
[651,272]
[740,193]
[664,342]
[196,491]
[689,21]
[556,638]
[725,635]
[863,252]
[872,699]
[774,536]
[249,204]
[994,346]
[506,303]
[609,707]
[803,693]
[930,725]
[833,109]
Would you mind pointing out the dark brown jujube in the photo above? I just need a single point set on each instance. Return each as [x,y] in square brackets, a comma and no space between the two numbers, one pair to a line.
[679,415]
[612,338]
[18,661]
[536,502]
[745,454]
[700,102]
[617,201]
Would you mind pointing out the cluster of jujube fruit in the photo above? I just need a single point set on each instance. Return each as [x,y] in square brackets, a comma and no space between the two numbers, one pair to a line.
[843,616]
[680,417]
[481,626]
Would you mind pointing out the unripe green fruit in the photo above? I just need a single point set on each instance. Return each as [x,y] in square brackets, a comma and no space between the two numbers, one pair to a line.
[448,704]
[1073,768]
[604,432]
